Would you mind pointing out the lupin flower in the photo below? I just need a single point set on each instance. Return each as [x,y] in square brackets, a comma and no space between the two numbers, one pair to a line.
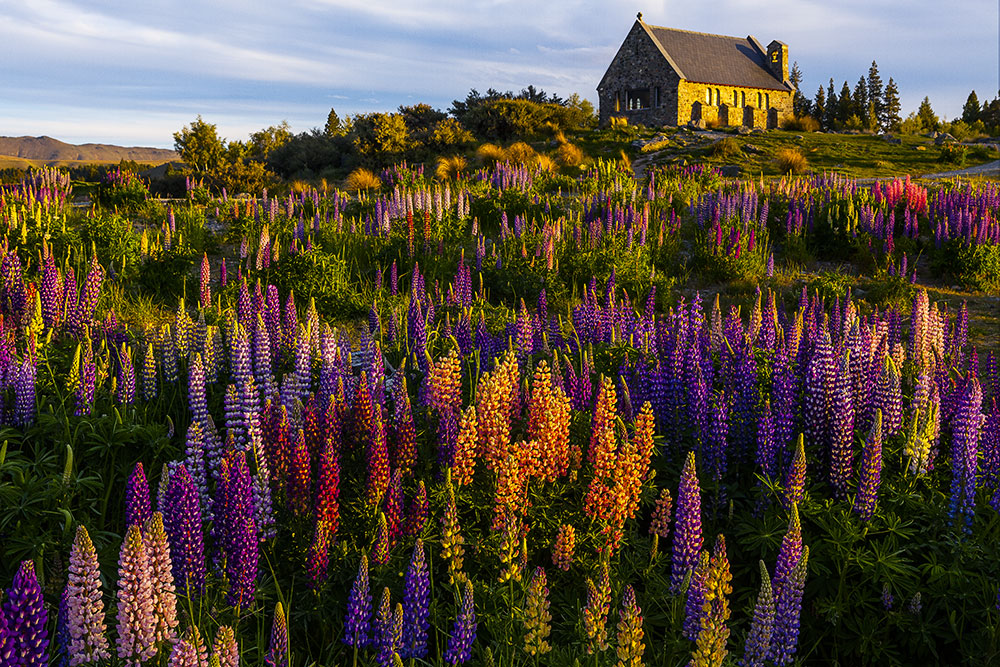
[137,504]
[182,522]
[161,579]
[136,610]
[659,523]
[967,423]
[758,644]
[509,545]
[205,293]
[388,630]
[318,558]
[687,529]
[871,471]
[795,478]
[451,538]
[630,647]
[24,612]
[126,375]
[463,632]
[380,548]
[357,623]
[595,614]
[24,392]
[788,608]
[328,488]
[537,619]
[84,603]
[789,553]
[464,459]
[277,651]
[242,539]
[694,603]
[548,424]
[416,606]
[225,649]
[418,511]
[299,482]
[710,648]
[148,377]
[183,654]
[887,599]
[192,635]
[565,544]
[378,455]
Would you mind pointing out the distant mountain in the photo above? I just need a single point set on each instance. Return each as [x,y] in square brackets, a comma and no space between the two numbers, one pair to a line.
[46,150]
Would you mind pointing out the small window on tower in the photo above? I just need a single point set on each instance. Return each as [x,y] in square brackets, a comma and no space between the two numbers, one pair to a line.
[736,99]
[743,98]
[759,100]
[767,100]
[708,96]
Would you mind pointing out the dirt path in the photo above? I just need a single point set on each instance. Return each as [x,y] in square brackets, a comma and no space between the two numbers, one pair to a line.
[990,169]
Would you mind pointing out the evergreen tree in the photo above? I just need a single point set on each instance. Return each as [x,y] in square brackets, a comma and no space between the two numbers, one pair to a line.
[800,103]
[332,128]
[832,104]
[860,102]
[928,119]
[845,104]
[875,91]
[990,115]
[890,118]
[971,110]
[819,105]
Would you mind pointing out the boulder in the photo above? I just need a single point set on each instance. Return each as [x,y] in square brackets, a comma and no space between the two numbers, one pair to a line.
[731,170]
[698,124]
[751,149]
[758,130]
[943,138]
[743,129]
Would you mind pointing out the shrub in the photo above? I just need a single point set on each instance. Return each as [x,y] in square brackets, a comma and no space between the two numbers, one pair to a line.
[569,155]
[726,148]
[791,160]
[521,153]
[121,189]
[713,124]
[362,179]
[654,146]
[974,267]
[954,154]
[801,124]
[450,168]
[490,154]
[545,163]
[617,122]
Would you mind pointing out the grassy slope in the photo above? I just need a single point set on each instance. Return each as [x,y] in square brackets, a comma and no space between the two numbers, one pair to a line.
[858,156]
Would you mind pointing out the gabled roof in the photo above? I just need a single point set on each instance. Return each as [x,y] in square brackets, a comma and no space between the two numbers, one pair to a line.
[718,59]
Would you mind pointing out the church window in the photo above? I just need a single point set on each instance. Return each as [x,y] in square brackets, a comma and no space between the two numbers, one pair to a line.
[637,98]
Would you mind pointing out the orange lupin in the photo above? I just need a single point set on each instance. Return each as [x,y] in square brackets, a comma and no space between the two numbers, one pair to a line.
[548,424]
[464,465]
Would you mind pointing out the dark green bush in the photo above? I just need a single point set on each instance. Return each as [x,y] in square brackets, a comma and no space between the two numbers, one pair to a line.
[974,267]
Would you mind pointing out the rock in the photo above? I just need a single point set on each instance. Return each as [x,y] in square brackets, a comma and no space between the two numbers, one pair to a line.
[743,129]
[731,170]
[799,137]
[750,148]
[894,140]
[758,130]
[943,138]
[920,148]
[697,124]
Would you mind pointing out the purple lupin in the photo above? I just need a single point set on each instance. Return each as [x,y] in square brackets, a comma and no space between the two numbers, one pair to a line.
[25,615]
[687,530]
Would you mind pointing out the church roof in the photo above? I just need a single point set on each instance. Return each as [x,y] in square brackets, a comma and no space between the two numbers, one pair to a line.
[719,59]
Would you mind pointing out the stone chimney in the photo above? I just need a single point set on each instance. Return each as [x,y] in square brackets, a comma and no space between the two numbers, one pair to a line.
[777,59]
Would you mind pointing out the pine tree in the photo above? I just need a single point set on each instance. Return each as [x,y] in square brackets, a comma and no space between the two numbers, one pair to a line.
[971,110]
[875,91]
[800,103]
[830,113]
[332,128]
[928,119]
[845,104]
[890,119]
[819,105]
[860,102]
[990,115]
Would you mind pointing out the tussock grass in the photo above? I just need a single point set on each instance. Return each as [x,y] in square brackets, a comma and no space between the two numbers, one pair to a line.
[362,179]
[791,161]
[451,167]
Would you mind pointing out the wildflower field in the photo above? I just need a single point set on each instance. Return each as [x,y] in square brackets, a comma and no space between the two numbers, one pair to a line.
[518,418]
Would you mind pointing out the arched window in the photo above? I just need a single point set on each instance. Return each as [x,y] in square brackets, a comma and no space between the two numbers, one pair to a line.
[708,96]
[736,99]
[759,100]
[718,97]
[743,98]
[767,100]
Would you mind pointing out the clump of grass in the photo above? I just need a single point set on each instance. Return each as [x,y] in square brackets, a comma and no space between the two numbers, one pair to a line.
[451,167]
[654,146]
[362,179]
[489,154]
[801,124]
[569,155]
[521,153]
[545,163]
[713,124]
[726,148]
[618,122]
[791,161]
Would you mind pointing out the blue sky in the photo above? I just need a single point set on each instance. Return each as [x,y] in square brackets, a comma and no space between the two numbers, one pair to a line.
[133,73]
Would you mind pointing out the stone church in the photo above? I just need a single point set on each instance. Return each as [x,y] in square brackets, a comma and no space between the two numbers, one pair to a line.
[664,76]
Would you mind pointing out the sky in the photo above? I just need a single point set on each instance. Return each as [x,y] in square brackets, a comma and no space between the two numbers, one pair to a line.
[133,73]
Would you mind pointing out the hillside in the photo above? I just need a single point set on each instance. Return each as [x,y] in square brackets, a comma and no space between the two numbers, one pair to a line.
[46,150]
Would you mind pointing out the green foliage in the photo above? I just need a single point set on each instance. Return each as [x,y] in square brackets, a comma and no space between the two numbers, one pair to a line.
[975,267]
[122,190]
[200,146]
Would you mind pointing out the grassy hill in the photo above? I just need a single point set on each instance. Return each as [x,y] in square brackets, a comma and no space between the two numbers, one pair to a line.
[22,152]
